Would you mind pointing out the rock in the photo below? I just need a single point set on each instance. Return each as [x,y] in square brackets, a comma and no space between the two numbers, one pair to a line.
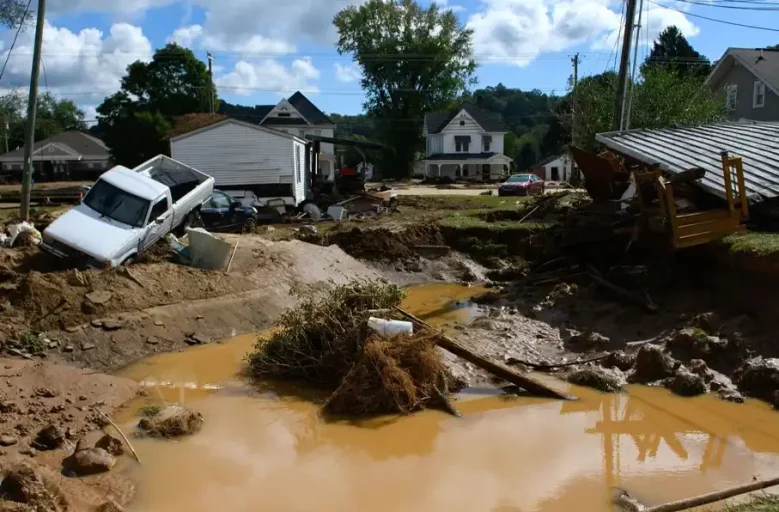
[686,383]
[90,461]
[152,340]
[731,395]
[49,438]
[652,364]
[99,297]
[483,323]
[620,360]
[28,450]
[73,328]
[699,367]
[68,348]
[6,440]
[196,339]
[111,444]
[87,346]
[53,344]
[96,323]
[487,298]
[602,379]
[159,323]
[758,378]
[46,393]
[709,322]
[8,407]
[113,324]
[21,484]
[172,421]
[589,340]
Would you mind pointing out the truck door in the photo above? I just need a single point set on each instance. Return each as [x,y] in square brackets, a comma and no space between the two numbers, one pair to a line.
[159,224]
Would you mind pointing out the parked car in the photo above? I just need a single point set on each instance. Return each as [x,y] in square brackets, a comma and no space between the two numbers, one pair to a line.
[522,185]
[126,211]
[223,212]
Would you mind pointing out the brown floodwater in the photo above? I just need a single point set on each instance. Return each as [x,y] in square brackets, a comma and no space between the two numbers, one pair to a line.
[265,448]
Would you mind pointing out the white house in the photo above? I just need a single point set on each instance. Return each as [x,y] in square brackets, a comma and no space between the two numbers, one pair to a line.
[465,143]
[298,116]
[554,168]
[253,163]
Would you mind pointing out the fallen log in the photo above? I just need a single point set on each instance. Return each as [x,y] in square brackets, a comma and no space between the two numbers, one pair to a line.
[500,371]
[546,366]
[646,303]
[713,497]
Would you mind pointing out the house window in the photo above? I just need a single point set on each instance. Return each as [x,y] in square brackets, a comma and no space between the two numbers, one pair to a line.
[731,97]
[462,123]
[758,95]
[302,133]
[486,143]
[297,164]
[462,144]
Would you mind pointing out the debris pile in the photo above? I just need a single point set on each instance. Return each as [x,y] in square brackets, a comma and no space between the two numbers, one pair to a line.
[326,341]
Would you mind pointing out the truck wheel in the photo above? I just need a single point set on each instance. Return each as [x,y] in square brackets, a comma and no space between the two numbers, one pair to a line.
[193,220]
[128,261]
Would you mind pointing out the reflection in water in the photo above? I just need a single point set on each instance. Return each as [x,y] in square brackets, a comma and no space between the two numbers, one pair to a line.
[261,449]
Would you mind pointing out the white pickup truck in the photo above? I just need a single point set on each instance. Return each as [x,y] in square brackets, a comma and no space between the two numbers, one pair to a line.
[127,210]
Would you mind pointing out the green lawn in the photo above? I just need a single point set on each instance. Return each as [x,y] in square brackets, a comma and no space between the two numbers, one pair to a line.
[756,242]
[761,504]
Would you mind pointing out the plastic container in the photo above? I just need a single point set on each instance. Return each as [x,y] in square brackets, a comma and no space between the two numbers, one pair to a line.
[390,328]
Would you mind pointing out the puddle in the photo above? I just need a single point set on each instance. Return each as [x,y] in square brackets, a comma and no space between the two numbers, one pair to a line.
[443,303]
[260,451]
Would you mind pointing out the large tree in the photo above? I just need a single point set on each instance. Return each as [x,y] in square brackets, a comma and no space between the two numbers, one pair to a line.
[13,13]
[134,120]
[672,51]
[661,98]
[414,60]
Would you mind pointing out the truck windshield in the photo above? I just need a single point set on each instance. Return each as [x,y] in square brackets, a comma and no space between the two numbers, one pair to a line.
[114,203]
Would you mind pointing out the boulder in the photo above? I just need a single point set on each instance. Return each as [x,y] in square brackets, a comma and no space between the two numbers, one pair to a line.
[699,367]
[21,484]
[596,377]
[652,364]
[111,444]
[686,383]
[90,461]
[758,378]
[172,421]
[49,438]
[731,395]
[620,360]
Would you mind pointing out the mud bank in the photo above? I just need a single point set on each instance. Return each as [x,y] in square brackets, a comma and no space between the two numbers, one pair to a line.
[106,319]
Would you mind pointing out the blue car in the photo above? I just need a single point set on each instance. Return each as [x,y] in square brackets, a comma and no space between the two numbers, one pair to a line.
[224,213]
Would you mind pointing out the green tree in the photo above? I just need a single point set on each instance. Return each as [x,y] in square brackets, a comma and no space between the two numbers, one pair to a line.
[672,51]
[133,121]
[54,116]
[414,60]
[13,12]
[661,98]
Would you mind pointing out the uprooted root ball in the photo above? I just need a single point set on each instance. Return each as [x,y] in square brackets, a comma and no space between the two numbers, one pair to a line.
[402,375]
[326,342]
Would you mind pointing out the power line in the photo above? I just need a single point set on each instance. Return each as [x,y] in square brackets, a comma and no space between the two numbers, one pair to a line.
[755,27]
[16,36]
[743,8]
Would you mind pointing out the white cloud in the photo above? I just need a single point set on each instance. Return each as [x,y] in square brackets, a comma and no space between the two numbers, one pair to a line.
[269,76]
[518,31]
[347,74]
[444,4]
[84,65]
[654,21]
[185,36]
[90,113]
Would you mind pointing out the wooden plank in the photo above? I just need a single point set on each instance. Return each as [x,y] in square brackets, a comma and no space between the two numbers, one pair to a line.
[707,226]
[714,497]
[709,236]
[500,371]
[693,218]
[742,189]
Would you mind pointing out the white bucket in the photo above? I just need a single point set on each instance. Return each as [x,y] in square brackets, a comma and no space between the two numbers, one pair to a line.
[390,328]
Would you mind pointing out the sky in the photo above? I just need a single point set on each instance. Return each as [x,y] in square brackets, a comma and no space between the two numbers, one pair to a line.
[268,49]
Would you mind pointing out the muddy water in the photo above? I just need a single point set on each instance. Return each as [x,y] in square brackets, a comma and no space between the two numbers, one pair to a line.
[265,449]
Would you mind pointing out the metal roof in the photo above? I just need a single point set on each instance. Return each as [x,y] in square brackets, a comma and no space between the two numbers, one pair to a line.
[680,149]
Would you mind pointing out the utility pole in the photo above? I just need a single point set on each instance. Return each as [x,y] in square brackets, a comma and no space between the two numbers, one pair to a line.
[575,61]
[626,112]
[210,82]
[624,61]
[32,107]
[5,134]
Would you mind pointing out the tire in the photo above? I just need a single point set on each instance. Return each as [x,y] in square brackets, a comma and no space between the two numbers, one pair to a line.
[128,261]
[500,193]
[193,220]
[249,227]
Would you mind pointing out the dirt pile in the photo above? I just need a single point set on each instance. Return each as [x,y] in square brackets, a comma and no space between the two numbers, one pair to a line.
[384,245]
[326,341]
[23,489]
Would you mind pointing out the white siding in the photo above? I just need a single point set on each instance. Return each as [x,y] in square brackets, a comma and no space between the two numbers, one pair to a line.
[497,143]
[563,165]
[238,155]
[301,175]
[455,129]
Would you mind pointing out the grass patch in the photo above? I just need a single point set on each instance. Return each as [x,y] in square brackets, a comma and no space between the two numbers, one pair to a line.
[32,342]
[758,243]
[455,202]
[151,411]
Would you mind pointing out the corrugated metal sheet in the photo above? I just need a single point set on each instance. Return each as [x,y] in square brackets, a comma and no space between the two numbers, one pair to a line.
[679,149]
[235,154]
